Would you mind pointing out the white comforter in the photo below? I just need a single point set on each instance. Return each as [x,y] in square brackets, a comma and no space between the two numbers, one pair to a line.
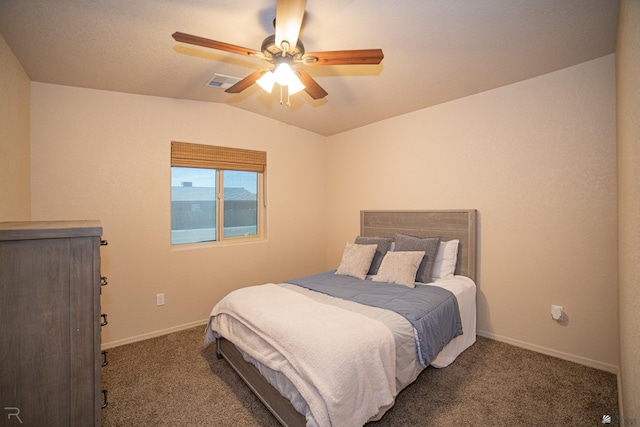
[343,388]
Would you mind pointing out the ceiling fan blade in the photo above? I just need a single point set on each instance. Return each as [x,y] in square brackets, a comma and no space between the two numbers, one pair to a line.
[344,57]
[311,86]
[289,14]
[246,82]
[213,44]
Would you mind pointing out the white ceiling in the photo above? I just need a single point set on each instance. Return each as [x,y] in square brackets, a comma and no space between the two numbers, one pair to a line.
[435,50]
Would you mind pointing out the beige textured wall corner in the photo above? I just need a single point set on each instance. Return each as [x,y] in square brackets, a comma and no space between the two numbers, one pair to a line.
[15,164]
[538,160]
[106,155]
[628,129]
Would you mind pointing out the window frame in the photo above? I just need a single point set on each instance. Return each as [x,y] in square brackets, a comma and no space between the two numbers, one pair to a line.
[260,208]
[221,159]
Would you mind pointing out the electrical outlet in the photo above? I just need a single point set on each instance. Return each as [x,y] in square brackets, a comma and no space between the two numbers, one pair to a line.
[159,299]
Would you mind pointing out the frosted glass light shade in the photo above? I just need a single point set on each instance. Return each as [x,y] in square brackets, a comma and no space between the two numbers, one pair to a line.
[267,81]
[295,85]
[284,74]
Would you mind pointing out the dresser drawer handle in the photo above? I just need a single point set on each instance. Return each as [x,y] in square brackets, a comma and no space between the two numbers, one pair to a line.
[104,320]
[103,281]
[105,362]
[105,403]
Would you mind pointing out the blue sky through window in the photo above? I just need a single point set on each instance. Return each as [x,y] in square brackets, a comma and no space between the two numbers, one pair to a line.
[207,178]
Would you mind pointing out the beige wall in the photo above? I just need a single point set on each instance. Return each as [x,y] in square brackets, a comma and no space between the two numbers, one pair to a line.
[105,155]
[628,111]
[538,161]
[15,168]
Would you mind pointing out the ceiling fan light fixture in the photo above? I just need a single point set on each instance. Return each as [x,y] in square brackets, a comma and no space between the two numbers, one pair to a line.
[284,76]
[267,81]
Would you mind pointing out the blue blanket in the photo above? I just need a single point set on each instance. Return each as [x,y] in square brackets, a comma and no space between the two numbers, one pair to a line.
[433,311]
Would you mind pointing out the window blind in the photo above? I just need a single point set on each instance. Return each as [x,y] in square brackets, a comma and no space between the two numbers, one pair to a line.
[190,155]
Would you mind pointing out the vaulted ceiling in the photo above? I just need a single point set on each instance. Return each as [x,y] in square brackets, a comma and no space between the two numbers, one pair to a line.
[434,50]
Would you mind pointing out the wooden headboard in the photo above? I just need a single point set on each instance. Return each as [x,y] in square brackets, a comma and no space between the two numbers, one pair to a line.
[449,224]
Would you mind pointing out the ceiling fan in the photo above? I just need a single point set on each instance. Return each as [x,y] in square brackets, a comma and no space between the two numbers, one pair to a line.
[283,50]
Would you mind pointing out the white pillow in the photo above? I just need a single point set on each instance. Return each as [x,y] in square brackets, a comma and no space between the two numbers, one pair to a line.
[356,260]
[399,268]
[446,259]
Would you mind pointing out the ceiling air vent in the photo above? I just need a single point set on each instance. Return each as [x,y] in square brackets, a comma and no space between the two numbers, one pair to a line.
[222,81]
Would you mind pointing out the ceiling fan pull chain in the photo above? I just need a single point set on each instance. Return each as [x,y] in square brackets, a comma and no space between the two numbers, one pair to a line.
[281,95]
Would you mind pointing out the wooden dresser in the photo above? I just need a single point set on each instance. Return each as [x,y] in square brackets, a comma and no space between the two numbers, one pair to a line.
[50,323]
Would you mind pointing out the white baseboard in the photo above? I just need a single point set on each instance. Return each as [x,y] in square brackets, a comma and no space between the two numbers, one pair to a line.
[550,352]
[620,399]
[154,334]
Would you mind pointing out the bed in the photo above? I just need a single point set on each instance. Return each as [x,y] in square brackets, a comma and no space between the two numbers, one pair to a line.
[350,369]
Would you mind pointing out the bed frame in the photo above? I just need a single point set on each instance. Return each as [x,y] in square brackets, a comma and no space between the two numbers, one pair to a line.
[449,224]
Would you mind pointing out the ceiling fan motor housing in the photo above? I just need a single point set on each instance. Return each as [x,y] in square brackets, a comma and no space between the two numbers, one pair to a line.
[271,50]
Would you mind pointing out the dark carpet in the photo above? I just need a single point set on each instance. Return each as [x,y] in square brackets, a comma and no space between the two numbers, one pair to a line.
[172,381]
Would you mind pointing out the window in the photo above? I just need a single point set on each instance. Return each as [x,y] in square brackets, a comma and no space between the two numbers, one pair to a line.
[216,193]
